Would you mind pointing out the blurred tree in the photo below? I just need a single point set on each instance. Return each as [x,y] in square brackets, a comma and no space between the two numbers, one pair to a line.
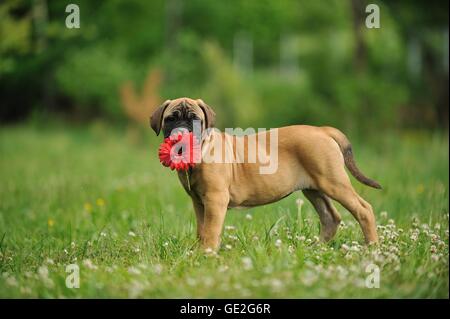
[425,25]
[138,107]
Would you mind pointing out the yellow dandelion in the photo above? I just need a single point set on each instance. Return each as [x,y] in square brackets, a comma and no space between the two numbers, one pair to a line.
[50,222]
[100,202]
[420,189]
[87,207]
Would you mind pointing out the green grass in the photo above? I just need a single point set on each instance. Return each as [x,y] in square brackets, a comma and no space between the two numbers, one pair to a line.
[98,197]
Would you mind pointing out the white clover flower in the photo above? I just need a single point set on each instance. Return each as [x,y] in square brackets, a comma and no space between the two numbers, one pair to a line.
[191,281]
[434,237]
[43,274]
[341,272]
[157,269]
[189,252]
[230,227]
[228,247]
[137,249]
[109,269]
[433,249]
[237,286]
[208,281]
[43,271]
[255,238]
[359,282]
[131,234]
[25,290]
[222,268]
[210,252]
[308,241]
[276,284]
[355,248]
[394,249]
[435,257]
[142,266]
[247,263]
[103,234]
[309,278]
[384,214]
[278,243]
[135,289]
[11,281]
[88,264]
[299,201]
[134,271]
[301,238]
[345,247]
[268,270]
[165,244]
[249,217]
[49,261]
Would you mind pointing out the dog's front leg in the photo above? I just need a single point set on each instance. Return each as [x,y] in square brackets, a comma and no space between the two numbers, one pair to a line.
[215,205]
[200,216]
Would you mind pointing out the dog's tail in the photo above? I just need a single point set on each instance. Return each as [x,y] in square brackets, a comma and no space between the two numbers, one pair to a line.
[346,149]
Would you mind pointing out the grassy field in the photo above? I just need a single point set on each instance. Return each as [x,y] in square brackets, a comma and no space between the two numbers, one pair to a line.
[98,197]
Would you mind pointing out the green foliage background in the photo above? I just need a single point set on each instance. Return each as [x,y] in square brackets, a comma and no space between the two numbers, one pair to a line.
[343,80]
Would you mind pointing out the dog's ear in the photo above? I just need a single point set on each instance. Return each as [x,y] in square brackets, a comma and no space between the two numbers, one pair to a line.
[157,117]
[210,115]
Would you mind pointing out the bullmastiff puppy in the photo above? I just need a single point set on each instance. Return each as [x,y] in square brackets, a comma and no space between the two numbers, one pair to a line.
[311,159]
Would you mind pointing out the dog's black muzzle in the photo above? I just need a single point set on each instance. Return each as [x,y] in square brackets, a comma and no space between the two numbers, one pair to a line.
[178,127]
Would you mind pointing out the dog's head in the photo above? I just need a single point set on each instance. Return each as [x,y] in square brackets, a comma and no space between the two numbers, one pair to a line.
[181,113]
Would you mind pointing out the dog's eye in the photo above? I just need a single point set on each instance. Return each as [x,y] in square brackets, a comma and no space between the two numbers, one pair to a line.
[193,116]
[170,118]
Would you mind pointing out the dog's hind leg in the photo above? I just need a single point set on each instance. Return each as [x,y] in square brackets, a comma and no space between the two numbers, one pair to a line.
[337,186]
[328,215]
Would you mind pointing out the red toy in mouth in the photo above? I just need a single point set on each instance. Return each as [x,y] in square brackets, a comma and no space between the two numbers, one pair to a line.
[178,150]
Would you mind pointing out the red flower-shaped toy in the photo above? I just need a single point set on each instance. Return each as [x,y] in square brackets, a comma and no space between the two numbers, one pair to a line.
[179,151]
